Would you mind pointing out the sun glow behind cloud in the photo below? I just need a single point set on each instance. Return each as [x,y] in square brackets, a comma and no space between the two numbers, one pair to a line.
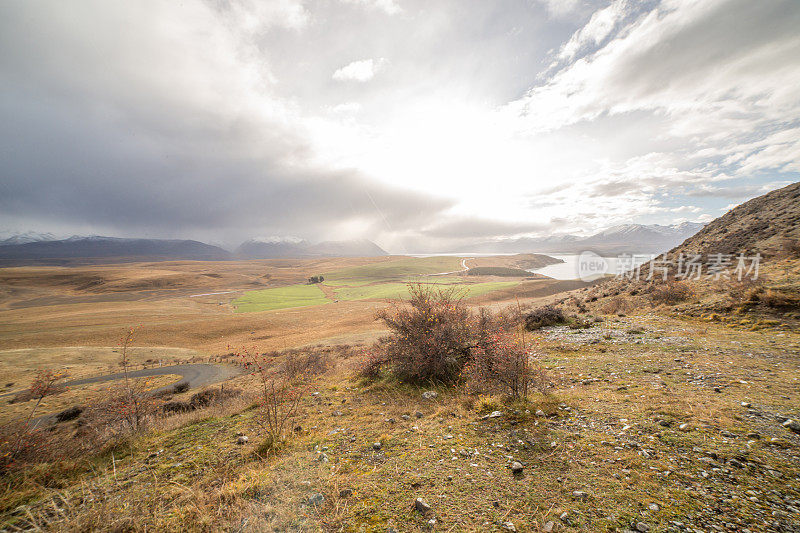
[504,119]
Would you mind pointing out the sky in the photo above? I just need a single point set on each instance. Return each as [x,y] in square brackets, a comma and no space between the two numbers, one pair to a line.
[419,125]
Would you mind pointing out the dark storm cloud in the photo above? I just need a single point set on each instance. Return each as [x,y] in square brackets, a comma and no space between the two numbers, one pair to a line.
[113,131]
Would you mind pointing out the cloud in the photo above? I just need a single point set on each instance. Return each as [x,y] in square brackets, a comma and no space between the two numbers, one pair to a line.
[224,120]
[361,71]
[599,27]
[388,6]
[561,8]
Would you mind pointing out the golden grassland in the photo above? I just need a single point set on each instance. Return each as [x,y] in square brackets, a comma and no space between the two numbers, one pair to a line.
[646,417]
[612,429]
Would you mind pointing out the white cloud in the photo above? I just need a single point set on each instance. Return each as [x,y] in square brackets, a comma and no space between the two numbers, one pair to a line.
[389,6]
[361,71]
[600,26]
[561,8]
[346,108]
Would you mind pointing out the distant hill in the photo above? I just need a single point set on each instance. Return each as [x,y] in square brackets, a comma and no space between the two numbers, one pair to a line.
[272,249]
[626,238]
[759,225]
[109,248]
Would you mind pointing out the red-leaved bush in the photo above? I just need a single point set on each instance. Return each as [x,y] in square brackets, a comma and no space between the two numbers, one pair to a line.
[436,339]
[430,338]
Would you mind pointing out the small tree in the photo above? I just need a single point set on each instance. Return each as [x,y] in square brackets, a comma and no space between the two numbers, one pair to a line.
[279,395]
[44,384]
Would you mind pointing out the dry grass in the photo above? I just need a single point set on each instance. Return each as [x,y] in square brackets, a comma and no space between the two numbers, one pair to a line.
[186,471]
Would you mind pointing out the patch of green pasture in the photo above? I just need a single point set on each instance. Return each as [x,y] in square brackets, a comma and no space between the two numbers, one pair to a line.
[393,270]
[396,291]
[280,298]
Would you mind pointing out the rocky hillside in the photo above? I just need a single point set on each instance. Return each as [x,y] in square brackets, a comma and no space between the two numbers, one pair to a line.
[767,224]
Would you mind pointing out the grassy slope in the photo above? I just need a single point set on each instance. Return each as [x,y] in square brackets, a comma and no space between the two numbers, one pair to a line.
[609,443]
[280,298]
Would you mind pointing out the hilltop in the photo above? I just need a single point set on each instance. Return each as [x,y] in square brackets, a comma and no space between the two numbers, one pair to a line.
[767,225]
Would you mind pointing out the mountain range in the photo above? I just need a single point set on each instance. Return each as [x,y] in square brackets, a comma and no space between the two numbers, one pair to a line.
[45,247]
[36,248]
[277,248]
[625,238]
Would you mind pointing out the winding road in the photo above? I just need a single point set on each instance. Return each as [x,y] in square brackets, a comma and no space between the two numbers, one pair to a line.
[195,374]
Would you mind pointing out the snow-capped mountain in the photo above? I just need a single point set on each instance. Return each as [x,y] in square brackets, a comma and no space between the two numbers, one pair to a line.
[8,239]
[110,248]
[624,238]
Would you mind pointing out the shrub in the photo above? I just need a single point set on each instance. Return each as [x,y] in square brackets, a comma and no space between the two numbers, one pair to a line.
[180,387]
[671,292]
[430,337]
[176,407]
[279,395]
[70,413]
[541,317]
[312,363]
[616,305]
[778,298]
[502,361]
[210,396]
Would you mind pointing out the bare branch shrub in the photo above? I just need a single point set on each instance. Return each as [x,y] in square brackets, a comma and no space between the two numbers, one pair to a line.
[278,398]
[616,305]
[545,316]
[430,337]
[671,292]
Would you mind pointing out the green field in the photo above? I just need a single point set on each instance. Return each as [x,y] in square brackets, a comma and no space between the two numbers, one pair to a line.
[400,290]
[280,298]
[398,270]
[382,281]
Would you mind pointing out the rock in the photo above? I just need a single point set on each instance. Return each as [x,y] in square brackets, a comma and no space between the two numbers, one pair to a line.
[754,435]
[509,526]
[345,493]
[419,414]
[516,467]
[431,523]
[792,425]
[684,427]
[653,507]
[241,440]
[564,517]
[405,417]
[493,414]
[641,527]
[549,527]
[376,446]
[579,495]
[539,412]
[429,395]
[316,499]
[746,404]
[421,506]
